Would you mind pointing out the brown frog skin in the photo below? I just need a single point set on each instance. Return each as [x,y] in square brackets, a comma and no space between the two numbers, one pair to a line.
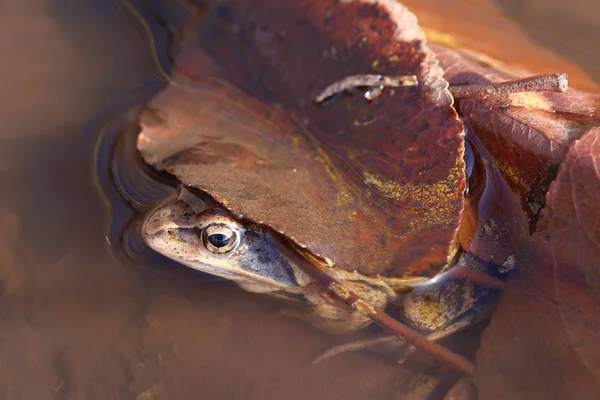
[196,231]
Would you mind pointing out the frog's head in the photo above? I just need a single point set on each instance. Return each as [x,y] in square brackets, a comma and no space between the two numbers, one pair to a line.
[199,233]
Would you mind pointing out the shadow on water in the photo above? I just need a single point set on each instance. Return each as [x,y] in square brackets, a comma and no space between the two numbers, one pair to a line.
[78,322]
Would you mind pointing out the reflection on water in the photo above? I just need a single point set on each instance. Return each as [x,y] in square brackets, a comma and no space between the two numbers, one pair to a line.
[82,324]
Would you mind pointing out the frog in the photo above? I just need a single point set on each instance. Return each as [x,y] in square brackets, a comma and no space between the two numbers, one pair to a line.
[372,192]
[195,230]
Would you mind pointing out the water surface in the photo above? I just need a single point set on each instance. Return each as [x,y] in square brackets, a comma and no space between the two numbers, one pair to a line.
[78,322]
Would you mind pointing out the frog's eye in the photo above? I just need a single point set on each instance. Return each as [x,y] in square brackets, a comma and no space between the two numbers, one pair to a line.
[220,239]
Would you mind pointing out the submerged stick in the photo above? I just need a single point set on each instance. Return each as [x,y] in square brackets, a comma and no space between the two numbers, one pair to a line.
[402,331]
[539,83]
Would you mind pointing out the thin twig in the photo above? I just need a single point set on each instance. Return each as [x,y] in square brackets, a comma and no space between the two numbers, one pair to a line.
[376,83]
[370,81]
[402,331]
[539,83]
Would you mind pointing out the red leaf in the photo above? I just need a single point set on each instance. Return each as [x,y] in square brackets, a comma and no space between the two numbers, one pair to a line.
[543,340]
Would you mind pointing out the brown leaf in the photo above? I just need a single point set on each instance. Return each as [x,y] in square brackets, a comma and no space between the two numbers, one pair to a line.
[374,187]
[542,342]
[526,134]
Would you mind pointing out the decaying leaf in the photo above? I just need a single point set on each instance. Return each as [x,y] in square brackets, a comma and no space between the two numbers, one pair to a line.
[549,315]
[542,343]
[527,134]
[525,137]
[375,187]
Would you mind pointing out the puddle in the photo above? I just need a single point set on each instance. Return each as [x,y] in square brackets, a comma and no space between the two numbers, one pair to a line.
[80,321]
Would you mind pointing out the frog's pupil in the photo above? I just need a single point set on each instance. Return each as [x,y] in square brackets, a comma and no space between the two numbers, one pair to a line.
[219,240]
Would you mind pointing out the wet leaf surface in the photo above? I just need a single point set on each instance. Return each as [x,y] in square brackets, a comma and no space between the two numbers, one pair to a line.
[542,342]
[517,142]
[527,134]
[549,314]
[323,175]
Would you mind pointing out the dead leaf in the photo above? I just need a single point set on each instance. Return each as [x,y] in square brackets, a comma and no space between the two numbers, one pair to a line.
[527,134]
[542,342]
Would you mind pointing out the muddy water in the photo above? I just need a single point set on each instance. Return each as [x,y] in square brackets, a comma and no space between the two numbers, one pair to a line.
[78,322]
